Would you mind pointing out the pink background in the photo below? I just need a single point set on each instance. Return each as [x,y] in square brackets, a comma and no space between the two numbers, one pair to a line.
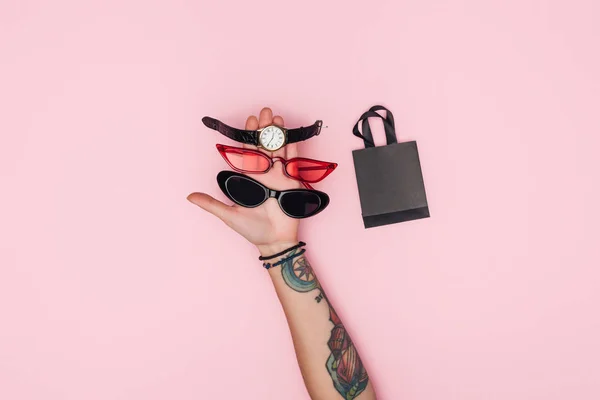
[112,286]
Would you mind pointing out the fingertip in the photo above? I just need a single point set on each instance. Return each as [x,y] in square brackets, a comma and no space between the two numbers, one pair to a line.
[202,200]
[265,118]
[194,198]
[252,123]
[212,205]
[278,120]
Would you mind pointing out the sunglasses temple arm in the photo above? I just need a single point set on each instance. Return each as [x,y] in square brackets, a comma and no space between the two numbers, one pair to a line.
[307,185]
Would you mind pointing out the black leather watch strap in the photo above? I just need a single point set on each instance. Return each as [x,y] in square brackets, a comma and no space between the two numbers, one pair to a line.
[239,135]
[303,133]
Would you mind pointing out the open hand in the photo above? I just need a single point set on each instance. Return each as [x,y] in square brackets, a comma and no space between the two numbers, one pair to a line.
[265,226]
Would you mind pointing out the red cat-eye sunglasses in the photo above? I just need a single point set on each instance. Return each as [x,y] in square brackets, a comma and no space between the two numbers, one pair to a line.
[250,161]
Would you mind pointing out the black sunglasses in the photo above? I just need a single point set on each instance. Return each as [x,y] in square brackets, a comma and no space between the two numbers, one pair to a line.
[247,192]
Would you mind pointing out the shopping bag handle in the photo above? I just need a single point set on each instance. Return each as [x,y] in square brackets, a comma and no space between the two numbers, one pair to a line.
[388,124]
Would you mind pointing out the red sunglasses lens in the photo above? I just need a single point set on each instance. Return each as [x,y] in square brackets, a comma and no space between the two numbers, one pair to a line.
[307,170]
[247,161]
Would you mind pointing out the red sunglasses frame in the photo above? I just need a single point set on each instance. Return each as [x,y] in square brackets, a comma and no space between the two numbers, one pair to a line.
[223,150]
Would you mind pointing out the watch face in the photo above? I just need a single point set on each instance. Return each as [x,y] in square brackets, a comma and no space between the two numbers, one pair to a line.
[272,138]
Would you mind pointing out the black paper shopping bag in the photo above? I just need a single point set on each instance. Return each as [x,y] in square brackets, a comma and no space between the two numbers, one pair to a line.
[389,178]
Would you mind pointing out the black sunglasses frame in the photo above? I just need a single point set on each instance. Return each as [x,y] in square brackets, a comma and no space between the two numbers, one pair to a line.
[224,176]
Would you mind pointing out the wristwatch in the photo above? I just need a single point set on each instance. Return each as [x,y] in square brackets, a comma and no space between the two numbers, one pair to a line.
[270,137]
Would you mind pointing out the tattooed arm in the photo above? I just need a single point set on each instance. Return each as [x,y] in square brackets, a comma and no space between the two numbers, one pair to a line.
[329,362]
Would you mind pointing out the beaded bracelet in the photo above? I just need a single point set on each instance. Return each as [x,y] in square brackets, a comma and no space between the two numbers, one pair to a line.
[283,260]
[300,244]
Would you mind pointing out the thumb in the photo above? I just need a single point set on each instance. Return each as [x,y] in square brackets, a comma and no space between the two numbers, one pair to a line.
[212,205]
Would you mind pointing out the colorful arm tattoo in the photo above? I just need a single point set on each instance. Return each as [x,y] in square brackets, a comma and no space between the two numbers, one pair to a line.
[344,366]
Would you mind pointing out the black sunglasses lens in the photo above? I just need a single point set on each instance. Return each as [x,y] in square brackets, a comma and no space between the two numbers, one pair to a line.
[300,204]
[245,192]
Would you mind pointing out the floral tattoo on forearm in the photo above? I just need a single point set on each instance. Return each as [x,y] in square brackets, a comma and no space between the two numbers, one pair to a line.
[344,365]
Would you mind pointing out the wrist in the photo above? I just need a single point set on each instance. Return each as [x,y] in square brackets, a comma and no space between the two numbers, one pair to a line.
[267,250]
[274,255]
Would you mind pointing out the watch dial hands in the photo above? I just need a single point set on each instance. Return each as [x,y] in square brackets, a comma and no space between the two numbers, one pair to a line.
[271,138]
